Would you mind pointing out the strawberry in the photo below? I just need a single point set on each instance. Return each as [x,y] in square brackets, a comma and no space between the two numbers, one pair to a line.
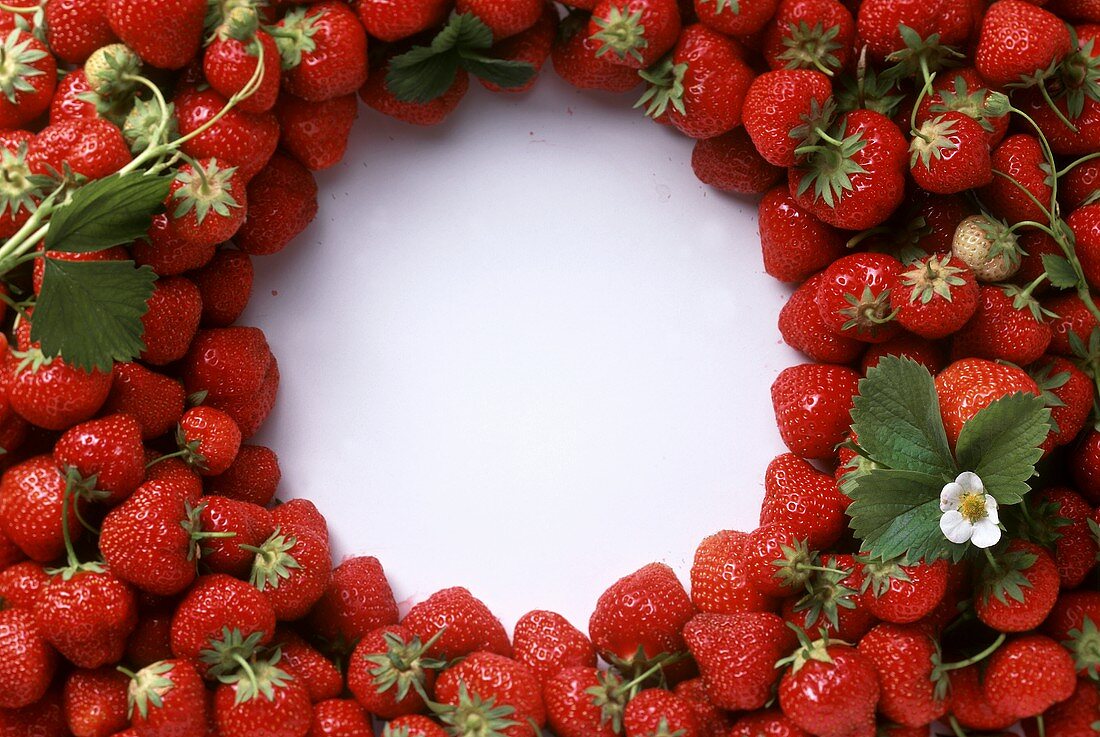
[358,599]
[913,693]
[794,242]
[804,500]
[1073,623]
[1069,392]
[413,725]
[812,402]
[168,697]
[168,254]
[316,133]
[988,247]
[210,439]
[503,18]
[238,139]
[972,384]
[117,253]
[964,91]
[32,508]
[730,162]
[737,653]
[634,33]
[174,310]
[713,722]
[547,644]
[151,640]
[282,203]
[1008,325]
[225,285]
[376,94]
[771,722]
[880,27]
[585,702]
[220,618]
[1080,186]
[468,625]
[640,618]
[324,50]
[44,718]
[656,711]
[109,450]
[1085,224]
[29,80]
[777,103]
[1075,716]
[313,670]
[86,613]
[904,594]
[165,33]
[302,514]
[27,662]
[777,563]
[854,179]
[950,153]
[95,702]
[24,189]
[10,554]
[806,34]
[1018,43]
[91,147]
[253,476]
[1018,594]
[854,296]
[21,585]
[155,401]
[532,46]
[935,297]
[490,691]
[340,718]
[575,60]
[292,568]
[835,601]
[735,17]
[969,705]
[1077,549]
[1021,157]
[264,697]
[173,476]
[720,578]
[1028,675]
[230,62]
[53,395]
[207,202]
[390,673]
[236,369]
[803,328]
[1073,319]
[76,28]
[389,22]
[831,689]
[1063,140]
[234,528]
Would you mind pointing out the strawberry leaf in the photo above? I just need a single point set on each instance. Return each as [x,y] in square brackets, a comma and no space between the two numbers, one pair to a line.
[896,514]
[1060,272]
[107,212]
[89,312]
[1001,444]
[501,72]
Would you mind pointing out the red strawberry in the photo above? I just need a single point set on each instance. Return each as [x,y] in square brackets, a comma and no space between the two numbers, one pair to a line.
[234,529]
[634,33]
[253,477]
[807,34]
[87,613]
[833,602]
[804,500]
[656,711]
[777,104]
[1077,549]
[972,384]
[771,722]
[225,285]
[324,47]
[165,33]
[218,618]
[292,568]
[153,400]
[1008,325]
[721,582]
[151,640]
[830,690]
[1028,675]
[29,85]
[313,670]
[1018,594]
[575,60]
[1021,157]
[414,725]
[585,702]
[389,22]
[904,594]
[803,328]
[173,476]
[640,617]
[236,369]
[970,706]
[735,17]
[880,24]
[1085,224]
[27,662]
[935,297]
[340,718]
[1018,42]
[76,28]
[795,243]
[90,147]
[531,46]
[777,562]
[468,625]
[812,403]
[503,18]
[950,153]
[964,91]
[207,204]
[230,62]
[731,163]
[244,140]
[1080,185]
[168,254]
[210,438]
[174,310]
[1073,717]
[905,658]
[548,644]
[54,395]
[854,296]
[21,585]
[390,673]
[316,133]
[713,722]
[266,698]
[737,654]
[32,509]
[376,94]
[494,691]
[168,697]
[1069,393]
[1073,623]
[108,449]
[95,702]
[24,192]
[282,203]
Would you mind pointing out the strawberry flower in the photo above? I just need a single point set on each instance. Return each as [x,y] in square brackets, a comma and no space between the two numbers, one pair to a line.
[969,514]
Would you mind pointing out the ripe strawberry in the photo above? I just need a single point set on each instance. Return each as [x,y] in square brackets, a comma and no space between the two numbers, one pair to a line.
[805,34]
[95,702]
[905,658]
[87,613]
[265,698]
[168,697]
[24,191]
[1073,623]
[1018,594]
[731,163]
[155,401]
[1074,717]
[165,33]
[32,509]
[29,84]
[935,297]
[830,690]
[531,46]
[854,296]
[804,500]
[575,60]
[794,242]
[238,139]
[1069,393]
[27,662]
[233,530]
[174,310]
[777,562]
[109,450]
[812,403]
[301,514]
[389,22]
[634,33]
[777,104]
[1021,157]
[390,673]
[21,585]
[324,49]
[905,594]
[988,247]
[655,711]
[173,476]
[218,618]
[950,153]
[771,722]
[208,203]
[640,617]
[1063,140]
[1085,224]
[309,667]
[713,722]
[548,644]
[468,625]
[803,328]
[91,147]
[151,640]
[1018,42]
[168,254]
[880,22]
[1008,325]
[225,285]
[504,19]
[860,182]
[835,601]
[1077,548]
[282,203]
[737,654]
[210,439]
[230,60]
[1080,186]
[76,28]
[253,477]
[340,718]
[972,384]
[358,599]
[585,702]
[735,17]
[413,725]
[720,578]
[316,133]
[964,91]
[1028,675]
[494,691]
[292,568]
[44,718]
[376,94]
[236,369]
[969,705]
[54,395]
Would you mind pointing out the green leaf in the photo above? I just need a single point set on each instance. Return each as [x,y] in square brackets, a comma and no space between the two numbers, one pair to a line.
[89,312]
[465,31]
[422,74]
[107,212]
[897,419]
[896,514]
[1001,444]
[501,72]
[1060,272]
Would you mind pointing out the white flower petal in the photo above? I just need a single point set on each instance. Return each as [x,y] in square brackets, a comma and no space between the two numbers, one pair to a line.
[969,481]
[991,510]
[949,497]
[955,527]
[986,534]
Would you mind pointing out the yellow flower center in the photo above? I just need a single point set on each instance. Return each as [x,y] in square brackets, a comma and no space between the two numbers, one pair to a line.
[972,506]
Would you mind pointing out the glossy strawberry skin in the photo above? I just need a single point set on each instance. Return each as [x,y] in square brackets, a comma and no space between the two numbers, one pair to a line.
[999,331]
[1066,624]
[653,708]
[21,584]
[737,654]
[1075,395]
[95,702]
[88,617]
[249,524]
[963,163]
[155,401]
[532,46]
[287,714]
[1039,596]
[803,328]
[337,64]
[215,602]
[571,710]
[361,678]
[1016,40]
[770,722]
[1028,675]
[970,706]
[470,626]
[282,203]
[28,662]
[110,449]
[26,105]
[225,286]
[165,33]
[731,163]
[182,710]
[909,593]
[309,667]
[720,578]
[57,396]
[387,21]
[832,699]
[878,23]
[794,242]
[1021,157]
[216,438]
[244,140]
[854,296]
[340,718]
[504,18]
[376,94]
[507,682]
[253,477]
[803,499]
[712,721]
[575,61]
[659,24]
[969,385]
[173,315]
[903,656]
[830,14]
[716,80]
[316,133]
[76,28]
[237,370]
[776,104]
[229,65]
[31,502]
[812,402]
[91,147]
[547,643]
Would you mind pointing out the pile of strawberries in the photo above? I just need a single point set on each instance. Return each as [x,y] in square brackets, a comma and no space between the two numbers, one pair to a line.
[928,176]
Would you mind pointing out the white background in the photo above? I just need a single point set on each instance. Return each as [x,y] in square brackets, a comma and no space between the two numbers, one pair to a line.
[526,352]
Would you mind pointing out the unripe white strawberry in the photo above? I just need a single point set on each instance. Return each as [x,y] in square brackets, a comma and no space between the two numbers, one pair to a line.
[988,247]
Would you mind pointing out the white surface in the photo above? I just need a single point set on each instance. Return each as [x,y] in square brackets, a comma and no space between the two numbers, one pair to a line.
[526,352]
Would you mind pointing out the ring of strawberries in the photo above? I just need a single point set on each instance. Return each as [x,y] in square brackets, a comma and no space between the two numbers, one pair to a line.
[928,180]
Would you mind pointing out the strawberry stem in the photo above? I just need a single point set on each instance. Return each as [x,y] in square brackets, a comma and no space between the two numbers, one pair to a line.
[1050,102]
[1074,164]
[979,657]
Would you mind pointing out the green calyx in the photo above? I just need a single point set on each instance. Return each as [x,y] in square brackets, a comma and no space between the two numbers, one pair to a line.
[476,717]
[980,105]
[404,665]
[206,188]
[17,60]
[294,35]
[808,651]
[1084,644]
[665,88]
[826,594]
[1022,299]
[611,698]
[663,730]
[148,688]
[815,122]
[932,278]
[921,57]
[239,24]
[879,576]
[1079,75]
[226,654]
[258,678]
[868,312]
[621,34]
[1003,242]
[1003,578]
[796,564]
[931,140]
[722,6]
[142,125]
[811,47]
[864,88]
[273,561]
[111,70]
[830,165]
[20,190]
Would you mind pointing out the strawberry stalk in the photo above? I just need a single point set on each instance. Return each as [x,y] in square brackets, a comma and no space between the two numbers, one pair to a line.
[993,647]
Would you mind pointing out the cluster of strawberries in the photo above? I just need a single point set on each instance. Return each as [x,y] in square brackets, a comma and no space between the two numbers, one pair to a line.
[150,584]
